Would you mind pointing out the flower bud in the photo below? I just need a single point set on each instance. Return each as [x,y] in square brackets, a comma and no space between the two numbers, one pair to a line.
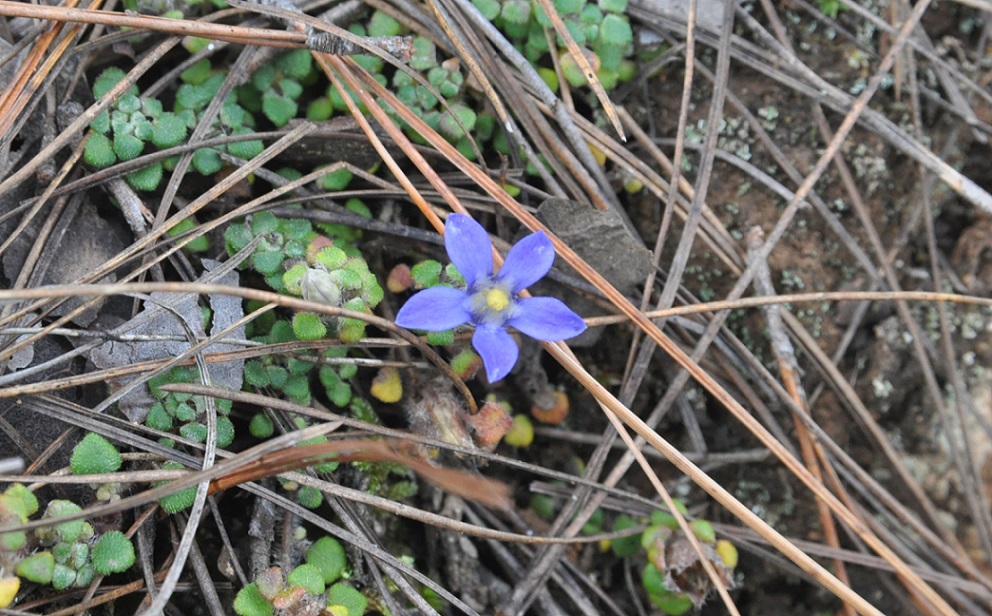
[319,286]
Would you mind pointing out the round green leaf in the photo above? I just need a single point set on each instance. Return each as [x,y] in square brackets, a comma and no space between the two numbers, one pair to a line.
[109,78]
[168,130]
[148,179]
[37,568]
[328,556]
[113,553]
[309,577]
[207,161]
[250,602]
[99,151]
[127,146]
[94,454]
[344,595]
[308,326]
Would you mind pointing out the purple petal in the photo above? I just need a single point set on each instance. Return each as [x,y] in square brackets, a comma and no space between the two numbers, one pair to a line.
[547,319]
[435,310]
[528,261]
[468,247]
[498,350]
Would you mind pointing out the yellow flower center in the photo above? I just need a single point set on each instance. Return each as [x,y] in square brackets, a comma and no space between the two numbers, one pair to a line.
[497,299]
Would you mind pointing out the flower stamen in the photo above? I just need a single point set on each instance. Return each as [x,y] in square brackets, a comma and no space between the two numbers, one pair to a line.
[497,299]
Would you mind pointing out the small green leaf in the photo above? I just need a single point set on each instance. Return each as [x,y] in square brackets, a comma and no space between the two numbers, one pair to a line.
[67,531]
[381,24]
[277,376]
[488,8]
[128,103]
[245,149]
[516,11]
[101,123]
[426,273]
[37,568]
[294,277]
[290,88]
[148,179]
[197,73]
[297,63]
[225,431]
[194,431]
[233,115]
[84,576]
[181,500]
[113,553]
[109,78]
[261,426]
[308,326]
[567,7]
[192,97]
[151,107]
[424,54]
[703,530]
[336,180]
[277,108]
[615,30]
[320,109]
[94,454]
[307,575]
[268,262]
[264,222]
[441,338]
[653,581]
[328,556]
[338,390]
[298,389]
[457,121]
[158,418]
[344,595]
[626,546]
[168,130]
[207,161]
[62,577]
[250,602]
[27,502]
[613,6]
[331,257]
[99,151]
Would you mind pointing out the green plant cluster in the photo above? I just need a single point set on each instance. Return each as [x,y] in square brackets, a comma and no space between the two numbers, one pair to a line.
[185,414]
[309,588]
[602,28]
[275,88]
[296,260]
[74,555]
[456,120]
[665,570]
[123,132]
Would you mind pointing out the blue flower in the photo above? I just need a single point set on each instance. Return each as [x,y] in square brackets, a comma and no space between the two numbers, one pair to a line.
[491,302]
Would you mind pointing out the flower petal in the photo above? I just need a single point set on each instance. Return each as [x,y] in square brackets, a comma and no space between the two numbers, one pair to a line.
[498,350]
[527,262]
[547,319]
[468,247]
[435,310]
